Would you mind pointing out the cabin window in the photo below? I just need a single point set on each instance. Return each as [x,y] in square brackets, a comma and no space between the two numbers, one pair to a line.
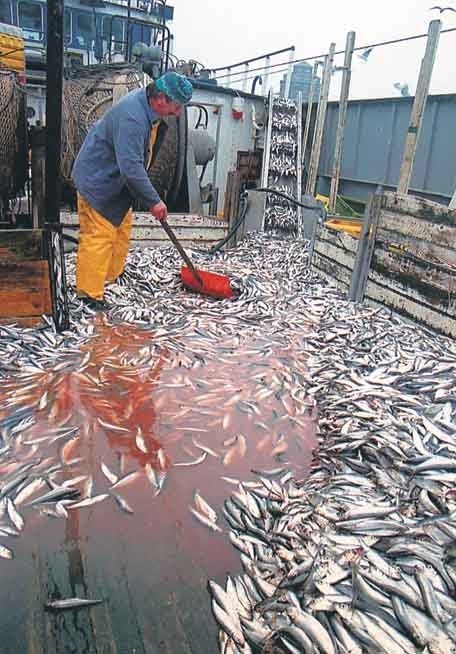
[5,12]
[84,30]
[67,26]
[114,31]
[31,20]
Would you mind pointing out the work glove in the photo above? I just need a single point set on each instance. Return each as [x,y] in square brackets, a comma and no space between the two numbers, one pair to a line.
[159,211]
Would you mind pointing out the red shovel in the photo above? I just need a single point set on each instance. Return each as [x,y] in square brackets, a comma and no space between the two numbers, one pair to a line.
[207,283]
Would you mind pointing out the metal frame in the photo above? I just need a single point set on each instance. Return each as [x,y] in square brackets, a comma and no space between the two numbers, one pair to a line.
[267,142]
[57,275]
[267,147]
[299,165]
[54,88]
[289,73]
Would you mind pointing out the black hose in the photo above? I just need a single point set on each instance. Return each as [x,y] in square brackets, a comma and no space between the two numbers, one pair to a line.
[202,110]
[218,246]
[203,172]
[258,80]
[287,197]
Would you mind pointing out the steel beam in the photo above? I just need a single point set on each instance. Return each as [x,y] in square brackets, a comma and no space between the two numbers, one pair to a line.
[54,84]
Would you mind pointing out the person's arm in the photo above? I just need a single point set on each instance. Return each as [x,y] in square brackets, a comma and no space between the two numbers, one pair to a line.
[128,138]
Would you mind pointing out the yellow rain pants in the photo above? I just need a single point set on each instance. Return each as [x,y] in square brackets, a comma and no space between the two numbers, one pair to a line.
[102,250]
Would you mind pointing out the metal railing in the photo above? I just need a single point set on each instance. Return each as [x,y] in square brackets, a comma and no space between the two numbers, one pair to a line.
[238,74]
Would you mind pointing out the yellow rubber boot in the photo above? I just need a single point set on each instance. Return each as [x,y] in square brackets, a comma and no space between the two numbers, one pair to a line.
[96,244]
[120,248]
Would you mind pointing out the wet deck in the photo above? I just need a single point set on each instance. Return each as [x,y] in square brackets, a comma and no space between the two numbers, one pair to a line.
[151,567]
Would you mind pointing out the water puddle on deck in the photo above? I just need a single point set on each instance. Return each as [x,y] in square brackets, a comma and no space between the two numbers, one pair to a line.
[143,402]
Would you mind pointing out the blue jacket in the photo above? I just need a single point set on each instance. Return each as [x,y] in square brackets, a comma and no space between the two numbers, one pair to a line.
[110,169]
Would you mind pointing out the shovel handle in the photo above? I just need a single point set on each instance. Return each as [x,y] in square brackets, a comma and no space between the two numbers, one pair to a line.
[172,237]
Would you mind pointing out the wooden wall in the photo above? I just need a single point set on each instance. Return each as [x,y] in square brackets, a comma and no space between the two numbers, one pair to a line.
[334,256]
[413,265]
[405,259]
[191,230]
[25,293]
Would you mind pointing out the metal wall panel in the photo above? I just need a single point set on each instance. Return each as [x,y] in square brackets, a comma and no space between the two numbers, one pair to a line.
[233,135]
[374,142]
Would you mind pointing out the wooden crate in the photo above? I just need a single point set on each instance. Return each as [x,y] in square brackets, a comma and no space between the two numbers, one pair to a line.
[25,293]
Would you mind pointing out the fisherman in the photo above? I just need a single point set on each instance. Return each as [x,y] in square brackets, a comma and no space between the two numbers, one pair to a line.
[110,173]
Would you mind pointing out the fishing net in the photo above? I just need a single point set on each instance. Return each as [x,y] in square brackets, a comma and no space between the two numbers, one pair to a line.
[13,141]
[85,99]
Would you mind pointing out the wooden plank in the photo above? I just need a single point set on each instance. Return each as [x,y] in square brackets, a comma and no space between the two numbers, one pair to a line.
[228,196]
[339,239]
[320,122]
[429,252]
[418,207]
[22,321]
[438,280]
[366,246]
[217,231]
[338,274]
[235,202]
[151,243]
[158,234]
[342,118]
[24,289]
[419,104]
[337,255]
[416,228]
[20,245]
[416,289]
[406,306]
[145,220]
[310,102]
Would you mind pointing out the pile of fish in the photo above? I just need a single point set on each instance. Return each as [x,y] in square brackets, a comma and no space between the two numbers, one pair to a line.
[173,383]
[281,215]
[360,555]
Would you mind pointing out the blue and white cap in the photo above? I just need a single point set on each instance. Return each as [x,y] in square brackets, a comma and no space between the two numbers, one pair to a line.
[177,87]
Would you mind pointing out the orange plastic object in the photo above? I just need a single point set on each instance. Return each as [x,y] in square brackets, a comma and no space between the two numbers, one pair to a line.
[217,286]
[352,227]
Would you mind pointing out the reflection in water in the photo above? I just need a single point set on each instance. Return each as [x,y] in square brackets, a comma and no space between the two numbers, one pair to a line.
[117,429]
